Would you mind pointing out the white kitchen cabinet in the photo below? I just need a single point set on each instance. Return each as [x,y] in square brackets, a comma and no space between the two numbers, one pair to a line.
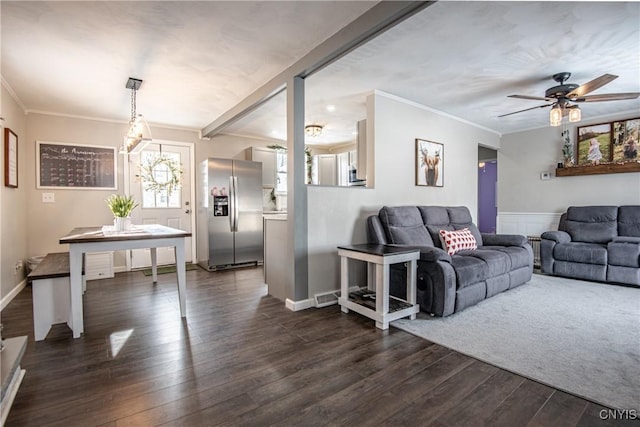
[326,169]
[268,158]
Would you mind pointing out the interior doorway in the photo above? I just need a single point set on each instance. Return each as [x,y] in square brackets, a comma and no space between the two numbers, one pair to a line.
[487,189]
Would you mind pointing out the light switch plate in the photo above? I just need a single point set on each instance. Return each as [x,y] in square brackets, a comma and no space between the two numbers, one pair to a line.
[48,198]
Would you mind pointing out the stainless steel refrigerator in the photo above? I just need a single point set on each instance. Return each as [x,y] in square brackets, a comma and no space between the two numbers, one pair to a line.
[233,208]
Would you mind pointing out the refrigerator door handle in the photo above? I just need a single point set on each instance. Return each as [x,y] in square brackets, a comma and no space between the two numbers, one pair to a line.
[232,196]
[235,203]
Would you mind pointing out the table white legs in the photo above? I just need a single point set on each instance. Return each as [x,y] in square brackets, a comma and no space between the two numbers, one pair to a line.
[75,282]
[182,278]
[154,265]
[382,293]
[344,281]
[76,253]
[412,267]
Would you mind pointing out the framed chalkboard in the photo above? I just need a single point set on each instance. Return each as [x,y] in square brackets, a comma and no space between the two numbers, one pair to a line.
[75,166]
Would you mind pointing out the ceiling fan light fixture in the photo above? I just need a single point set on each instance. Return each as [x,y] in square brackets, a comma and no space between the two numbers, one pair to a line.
[555,115]
[575,115]
[313,130]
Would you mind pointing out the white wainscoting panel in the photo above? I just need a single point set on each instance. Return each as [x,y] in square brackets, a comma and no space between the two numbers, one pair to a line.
[527,223]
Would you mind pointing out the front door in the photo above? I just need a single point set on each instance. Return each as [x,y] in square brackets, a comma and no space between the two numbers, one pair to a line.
[150,170]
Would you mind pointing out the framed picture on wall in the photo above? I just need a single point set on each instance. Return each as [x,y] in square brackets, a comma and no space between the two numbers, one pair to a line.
[429,163]
[10,158]
[594,144]
[626,140]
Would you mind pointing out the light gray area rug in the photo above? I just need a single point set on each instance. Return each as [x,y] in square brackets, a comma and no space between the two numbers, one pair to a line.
[580,337]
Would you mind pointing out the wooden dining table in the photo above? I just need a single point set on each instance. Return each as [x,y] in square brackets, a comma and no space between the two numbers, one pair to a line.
[82,240]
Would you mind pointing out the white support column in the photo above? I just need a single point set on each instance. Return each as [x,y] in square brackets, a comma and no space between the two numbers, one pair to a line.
[298,289]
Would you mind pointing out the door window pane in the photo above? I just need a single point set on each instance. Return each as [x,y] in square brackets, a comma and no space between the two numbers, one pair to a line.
[161,173]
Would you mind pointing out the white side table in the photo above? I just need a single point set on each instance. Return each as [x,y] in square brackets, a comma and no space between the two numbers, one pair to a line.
[375,301]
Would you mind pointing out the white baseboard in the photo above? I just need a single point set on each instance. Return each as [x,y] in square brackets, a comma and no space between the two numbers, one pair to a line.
[12,294]
[300,305]
[120,269]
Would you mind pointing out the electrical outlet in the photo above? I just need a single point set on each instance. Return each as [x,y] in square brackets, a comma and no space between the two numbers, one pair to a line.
[48,198]
[19,265]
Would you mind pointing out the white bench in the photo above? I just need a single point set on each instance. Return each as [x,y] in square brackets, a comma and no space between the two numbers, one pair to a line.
[51,295]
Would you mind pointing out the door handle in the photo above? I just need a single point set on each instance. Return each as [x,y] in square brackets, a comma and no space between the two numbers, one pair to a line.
[187,211]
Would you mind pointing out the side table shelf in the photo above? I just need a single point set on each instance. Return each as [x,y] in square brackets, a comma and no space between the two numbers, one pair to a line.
[374,302]
[367,298]
[11,372]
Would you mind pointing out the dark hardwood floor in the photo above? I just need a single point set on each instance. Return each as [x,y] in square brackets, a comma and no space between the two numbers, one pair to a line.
[241,358]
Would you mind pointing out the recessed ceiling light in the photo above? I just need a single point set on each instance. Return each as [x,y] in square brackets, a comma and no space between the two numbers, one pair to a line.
[331,108]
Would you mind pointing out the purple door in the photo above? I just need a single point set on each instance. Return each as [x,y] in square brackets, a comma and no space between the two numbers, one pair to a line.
[487,183]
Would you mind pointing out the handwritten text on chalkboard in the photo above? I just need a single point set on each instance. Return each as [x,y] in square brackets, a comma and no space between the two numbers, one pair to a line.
[76,166]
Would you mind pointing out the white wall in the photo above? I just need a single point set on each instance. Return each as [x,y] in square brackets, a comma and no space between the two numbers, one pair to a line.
[524,155]
[13,201]
[337,215]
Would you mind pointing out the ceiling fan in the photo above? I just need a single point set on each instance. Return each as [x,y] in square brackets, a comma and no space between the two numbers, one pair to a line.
[566,93]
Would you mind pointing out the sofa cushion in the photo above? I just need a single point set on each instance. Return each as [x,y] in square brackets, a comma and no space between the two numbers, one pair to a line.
[626,254]
[518,256]
[586,253]
[434,215]
[629,221]
[434,232]
[497,262]
[458,240]
[592,224]
[418,235]
[469,270]
[404,226]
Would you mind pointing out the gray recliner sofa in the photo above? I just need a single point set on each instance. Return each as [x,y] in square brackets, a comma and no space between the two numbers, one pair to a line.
[598,243]
[450,283]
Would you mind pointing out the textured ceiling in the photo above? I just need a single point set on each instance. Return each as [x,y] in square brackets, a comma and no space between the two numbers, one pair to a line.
[198,59]
[464,58]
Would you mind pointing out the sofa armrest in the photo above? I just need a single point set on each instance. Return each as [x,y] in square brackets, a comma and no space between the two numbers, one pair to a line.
[503,240]
[625,239]
[433,254]
[556,236]
[429,253]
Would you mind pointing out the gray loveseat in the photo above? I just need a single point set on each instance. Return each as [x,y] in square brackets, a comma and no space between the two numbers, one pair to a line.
[599,243]
[450,283]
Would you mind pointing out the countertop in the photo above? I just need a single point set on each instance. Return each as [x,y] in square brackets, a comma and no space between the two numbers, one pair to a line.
[280,216]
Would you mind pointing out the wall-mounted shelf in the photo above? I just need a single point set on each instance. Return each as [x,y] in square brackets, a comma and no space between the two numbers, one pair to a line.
[599,169]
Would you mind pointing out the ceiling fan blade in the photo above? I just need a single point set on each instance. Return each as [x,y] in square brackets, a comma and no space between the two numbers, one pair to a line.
[607,97]
[532,108]
[594,84]
[535,98]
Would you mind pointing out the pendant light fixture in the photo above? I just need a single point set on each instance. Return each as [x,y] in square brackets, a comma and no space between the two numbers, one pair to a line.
[564,108]
[139,134]
[555,115]
[575,115]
